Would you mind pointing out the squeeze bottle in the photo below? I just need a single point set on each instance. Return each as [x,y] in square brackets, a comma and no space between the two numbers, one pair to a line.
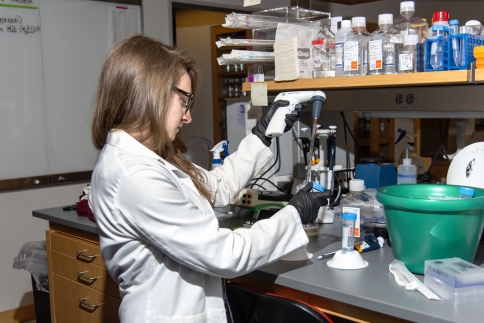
[217,149]
[407,173]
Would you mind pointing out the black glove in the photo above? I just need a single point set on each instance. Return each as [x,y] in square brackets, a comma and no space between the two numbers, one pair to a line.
[307,203]
[260,128]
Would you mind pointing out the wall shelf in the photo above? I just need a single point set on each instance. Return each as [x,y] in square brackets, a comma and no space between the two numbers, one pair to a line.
[358,82]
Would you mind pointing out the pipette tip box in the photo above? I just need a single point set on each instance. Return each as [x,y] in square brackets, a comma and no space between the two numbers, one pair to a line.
[455,280]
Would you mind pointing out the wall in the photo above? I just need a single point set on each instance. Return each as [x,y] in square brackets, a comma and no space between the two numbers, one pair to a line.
[191,26]
[16,209]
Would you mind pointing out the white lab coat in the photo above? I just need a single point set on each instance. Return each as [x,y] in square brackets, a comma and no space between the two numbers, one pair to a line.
[161,241]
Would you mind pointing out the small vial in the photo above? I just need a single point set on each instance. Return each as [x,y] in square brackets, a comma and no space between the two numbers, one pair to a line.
[466,193]
[348,237]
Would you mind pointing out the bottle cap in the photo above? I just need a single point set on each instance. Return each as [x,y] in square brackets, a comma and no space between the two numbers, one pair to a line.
[358,22]
[385,19]
[439,28]
[454,22]
[466,191]
[346,23]
[407,161]
[357,185]
[440,16]
[349,216]
[410,40]
[318,42]
[473,23]
[407,6]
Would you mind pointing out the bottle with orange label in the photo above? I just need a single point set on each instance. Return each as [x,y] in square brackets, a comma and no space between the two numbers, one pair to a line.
[355,48]
[362,205]
[384,48]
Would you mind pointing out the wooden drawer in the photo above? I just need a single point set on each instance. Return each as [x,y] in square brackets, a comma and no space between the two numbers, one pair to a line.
[82,250]
[68,309]
[72,268]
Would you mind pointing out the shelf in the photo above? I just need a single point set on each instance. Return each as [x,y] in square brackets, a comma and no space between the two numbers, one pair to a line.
[397,80]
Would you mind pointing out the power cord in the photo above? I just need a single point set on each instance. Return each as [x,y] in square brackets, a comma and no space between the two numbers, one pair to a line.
[441,147]
[272,166]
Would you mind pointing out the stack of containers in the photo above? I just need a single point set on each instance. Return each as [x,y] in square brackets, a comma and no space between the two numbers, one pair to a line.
[479,55]
[455,280]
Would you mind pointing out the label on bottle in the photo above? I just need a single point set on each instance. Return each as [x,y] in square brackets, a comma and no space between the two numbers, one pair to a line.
[351,57]
[405,62]
[317,56]
[354,210]
[376,54]
[339,54]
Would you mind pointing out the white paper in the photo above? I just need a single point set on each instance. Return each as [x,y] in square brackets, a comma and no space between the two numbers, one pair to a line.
[248,3]
[258,94]
[124,23]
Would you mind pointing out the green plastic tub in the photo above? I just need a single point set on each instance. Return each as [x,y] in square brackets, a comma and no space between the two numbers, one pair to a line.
[422,228]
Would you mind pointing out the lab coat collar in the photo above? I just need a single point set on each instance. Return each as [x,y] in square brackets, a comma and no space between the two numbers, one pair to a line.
[123,140]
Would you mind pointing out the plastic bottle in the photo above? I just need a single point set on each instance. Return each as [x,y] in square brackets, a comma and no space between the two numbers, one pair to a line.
[217,149]
[439,34]
[454,30]
[355,48]
[323,51]
[348,235]
[407,59]
[339,38]
[406,172]
[440,18]
[474,27]
[410,24]
[383,49]
[362,205]
[412,153]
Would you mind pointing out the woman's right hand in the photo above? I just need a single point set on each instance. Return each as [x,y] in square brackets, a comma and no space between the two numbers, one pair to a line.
[307,203]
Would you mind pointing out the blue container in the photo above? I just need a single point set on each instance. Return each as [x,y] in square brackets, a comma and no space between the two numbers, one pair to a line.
[376,175]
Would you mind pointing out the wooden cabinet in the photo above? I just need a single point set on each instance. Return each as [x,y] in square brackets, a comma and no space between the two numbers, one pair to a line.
[81,290]
[226,79]
[374,138]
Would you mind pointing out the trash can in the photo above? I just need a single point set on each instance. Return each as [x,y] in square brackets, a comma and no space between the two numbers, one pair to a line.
[33,258]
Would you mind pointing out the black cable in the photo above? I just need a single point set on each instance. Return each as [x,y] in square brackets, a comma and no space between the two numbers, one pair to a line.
[442,142]
[270,182]
[346,149]
[275,162]
[352,136]
[256,185]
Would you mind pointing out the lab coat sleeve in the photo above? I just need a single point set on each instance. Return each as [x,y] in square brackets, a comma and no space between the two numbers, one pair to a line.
[238,169]
[158,212]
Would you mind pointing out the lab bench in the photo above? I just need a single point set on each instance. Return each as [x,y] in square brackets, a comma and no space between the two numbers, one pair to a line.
[365,295]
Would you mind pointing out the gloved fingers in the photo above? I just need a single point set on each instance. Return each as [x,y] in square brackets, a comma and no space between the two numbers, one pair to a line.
[290,119]
[307,188]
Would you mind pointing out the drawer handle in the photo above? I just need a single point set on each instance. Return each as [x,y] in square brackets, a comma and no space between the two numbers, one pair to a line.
[81,254]
[81,275]
[92,306]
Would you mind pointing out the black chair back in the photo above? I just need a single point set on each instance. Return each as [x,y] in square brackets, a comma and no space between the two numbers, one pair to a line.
[251,306]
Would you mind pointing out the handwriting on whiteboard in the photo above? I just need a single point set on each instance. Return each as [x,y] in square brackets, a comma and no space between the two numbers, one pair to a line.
[14,25]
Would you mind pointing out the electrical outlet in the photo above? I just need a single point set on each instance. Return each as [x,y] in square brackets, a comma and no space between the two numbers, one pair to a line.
[410,98]
[399,99]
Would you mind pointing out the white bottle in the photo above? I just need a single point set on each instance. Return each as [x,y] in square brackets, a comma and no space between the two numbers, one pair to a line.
[385,46]
[355,48]
[407,59]
[345,28]
[407,173]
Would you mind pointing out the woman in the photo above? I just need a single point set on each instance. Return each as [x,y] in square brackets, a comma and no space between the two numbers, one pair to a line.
[159,237]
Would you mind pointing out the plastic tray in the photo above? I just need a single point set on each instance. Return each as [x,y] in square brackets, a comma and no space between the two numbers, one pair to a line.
[470,41]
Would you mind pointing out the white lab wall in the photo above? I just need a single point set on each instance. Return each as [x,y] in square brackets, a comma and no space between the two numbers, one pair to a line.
[18,225]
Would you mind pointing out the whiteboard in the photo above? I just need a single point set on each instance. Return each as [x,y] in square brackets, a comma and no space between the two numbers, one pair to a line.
[47,98]
[23,137]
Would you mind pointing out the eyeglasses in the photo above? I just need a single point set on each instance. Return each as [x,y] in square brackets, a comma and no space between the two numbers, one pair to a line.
[186,104]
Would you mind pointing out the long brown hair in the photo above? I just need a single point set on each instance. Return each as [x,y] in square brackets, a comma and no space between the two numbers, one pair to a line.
[134,92]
